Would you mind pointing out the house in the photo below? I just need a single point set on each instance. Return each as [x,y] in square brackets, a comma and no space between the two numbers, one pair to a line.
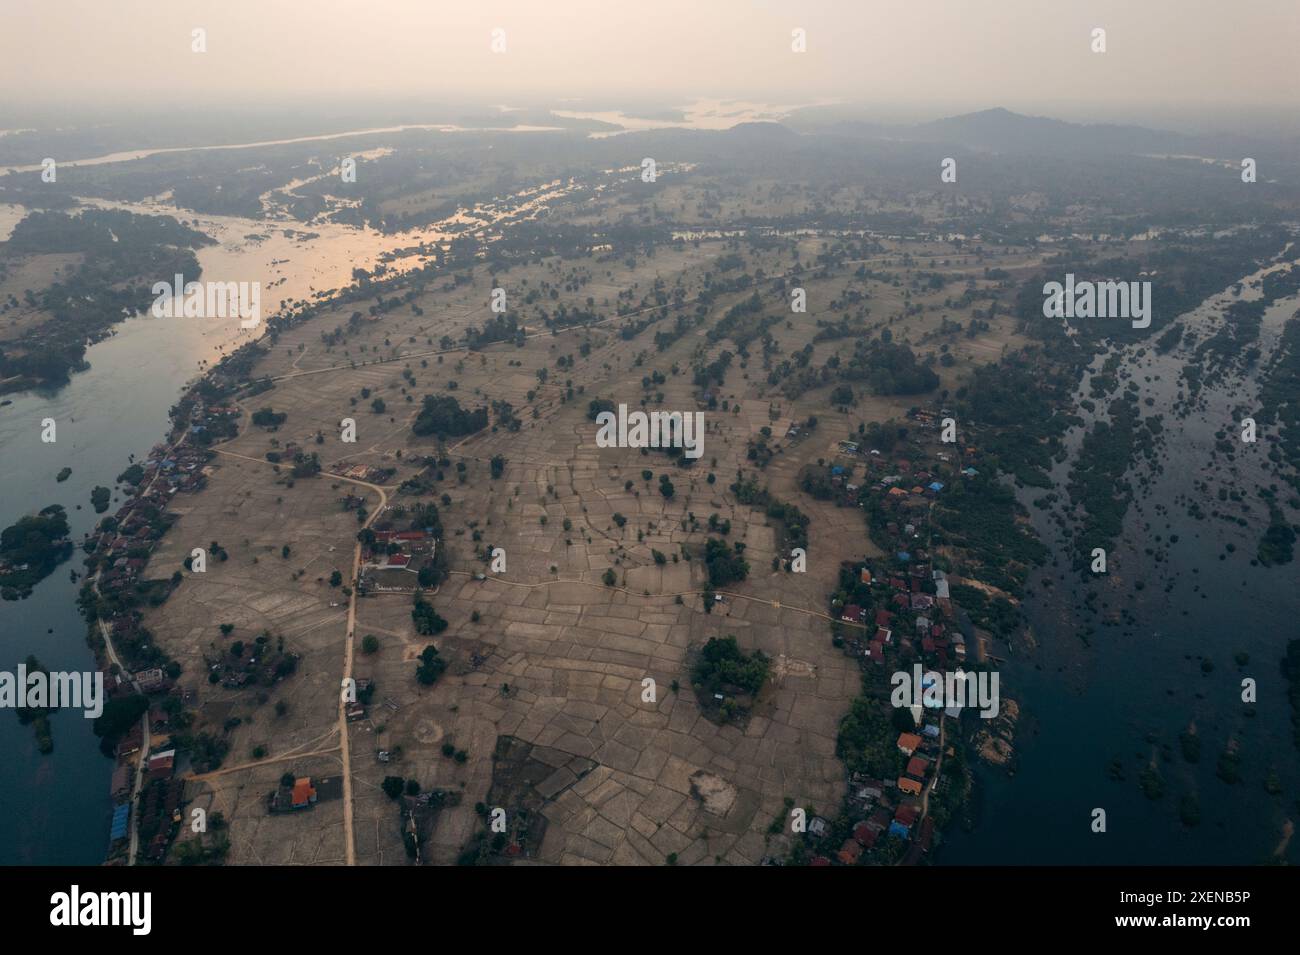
[865,576]
[849,852]
[852,613]
[908,743]
[917,767]
[870,789]
[161,765]
[864,835]
[910,786]
[907,815]
[897,829]
[818,827]
[304,793]
[151,680]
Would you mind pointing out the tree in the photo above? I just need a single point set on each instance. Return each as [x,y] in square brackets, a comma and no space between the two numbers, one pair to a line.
[393,786]
[431,667]
[609,577]
[369,644]
[336,578]
[427,621]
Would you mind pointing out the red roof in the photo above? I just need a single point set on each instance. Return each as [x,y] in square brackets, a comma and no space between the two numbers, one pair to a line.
[303,791]
[865,835]
[907,814]
[916,766]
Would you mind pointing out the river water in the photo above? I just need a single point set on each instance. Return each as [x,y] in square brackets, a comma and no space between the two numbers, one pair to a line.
[1138,686]
[55,809]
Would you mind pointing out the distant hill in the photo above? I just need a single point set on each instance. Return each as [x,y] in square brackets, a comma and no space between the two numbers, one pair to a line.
[1003,131]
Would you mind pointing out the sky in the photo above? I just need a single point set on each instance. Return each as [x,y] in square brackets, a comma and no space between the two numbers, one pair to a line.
[898,58]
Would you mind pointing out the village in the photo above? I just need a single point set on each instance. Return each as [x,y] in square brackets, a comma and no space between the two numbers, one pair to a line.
[893,614]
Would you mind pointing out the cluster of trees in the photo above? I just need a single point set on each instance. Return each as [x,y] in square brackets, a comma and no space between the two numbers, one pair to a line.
[39,541]
[427,620]
[268,418]
[722,667]
[725,564]
[442,415]
[889,369]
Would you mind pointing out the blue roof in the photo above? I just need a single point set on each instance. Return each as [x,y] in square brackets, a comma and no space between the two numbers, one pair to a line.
[904,555]
[120,816]
[936,486]
[896,828]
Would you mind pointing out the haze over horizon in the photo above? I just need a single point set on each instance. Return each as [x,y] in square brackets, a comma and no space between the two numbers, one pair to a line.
[1194,65]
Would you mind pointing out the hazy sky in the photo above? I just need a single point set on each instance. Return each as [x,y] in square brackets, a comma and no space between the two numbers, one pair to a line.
[894,56]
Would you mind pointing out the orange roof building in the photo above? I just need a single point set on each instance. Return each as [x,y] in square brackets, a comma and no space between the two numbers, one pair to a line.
[908,742]
[304,793]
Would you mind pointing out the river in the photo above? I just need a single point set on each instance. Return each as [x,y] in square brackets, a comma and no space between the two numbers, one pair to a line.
[1139,685]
